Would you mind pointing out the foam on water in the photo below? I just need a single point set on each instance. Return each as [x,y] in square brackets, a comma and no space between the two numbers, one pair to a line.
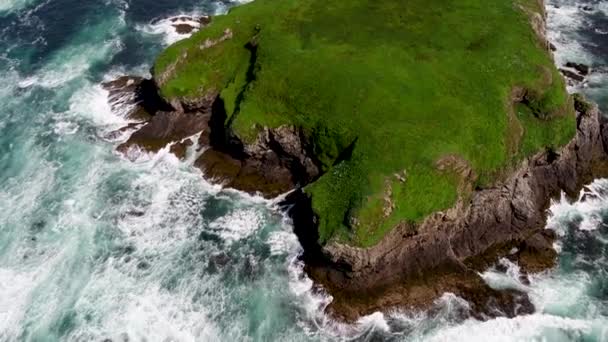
[13,5]
[587,211]
[511,279]
[564,19]
[76,59]
[164,27]
[536,327]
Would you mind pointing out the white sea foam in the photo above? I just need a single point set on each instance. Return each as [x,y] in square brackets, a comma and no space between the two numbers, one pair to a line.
[13,5]
[127,299]
[564,295]
[221,7]
[91,102]
[564,20]
[510,279]
[15,288]
[538,327]
[74,60]
[602,6]
[238,225]
[138,309]
[587,210]
[165,27]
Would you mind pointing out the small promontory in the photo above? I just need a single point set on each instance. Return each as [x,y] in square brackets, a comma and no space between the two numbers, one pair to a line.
[423,138]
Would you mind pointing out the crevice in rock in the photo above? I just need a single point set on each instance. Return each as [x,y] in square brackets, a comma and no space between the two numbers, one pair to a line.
[250,75]
[347,153]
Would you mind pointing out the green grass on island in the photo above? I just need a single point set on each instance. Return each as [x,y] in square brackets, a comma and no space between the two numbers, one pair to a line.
[384,89]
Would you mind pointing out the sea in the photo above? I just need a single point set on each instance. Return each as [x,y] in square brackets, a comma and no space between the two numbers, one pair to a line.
[98,247]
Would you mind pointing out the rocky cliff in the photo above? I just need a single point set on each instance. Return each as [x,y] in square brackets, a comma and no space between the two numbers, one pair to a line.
[424,255]
[415,264]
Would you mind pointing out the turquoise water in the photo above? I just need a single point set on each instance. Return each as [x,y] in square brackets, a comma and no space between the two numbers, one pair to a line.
[95,247]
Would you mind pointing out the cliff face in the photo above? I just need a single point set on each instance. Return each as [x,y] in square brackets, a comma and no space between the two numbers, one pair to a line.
[389,112]
[458,243]
[414,263]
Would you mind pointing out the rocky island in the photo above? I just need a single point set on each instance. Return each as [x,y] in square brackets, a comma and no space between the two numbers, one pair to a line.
[417,141]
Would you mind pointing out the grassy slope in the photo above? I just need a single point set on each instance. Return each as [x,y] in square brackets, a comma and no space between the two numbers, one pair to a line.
[406,81]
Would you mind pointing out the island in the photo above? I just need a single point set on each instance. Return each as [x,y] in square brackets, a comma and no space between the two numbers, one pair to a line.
[413,143]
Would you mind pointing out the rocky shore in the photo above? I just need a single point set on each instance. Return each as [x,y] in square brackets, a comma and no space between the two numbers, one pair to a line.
[445,253]
[414,264]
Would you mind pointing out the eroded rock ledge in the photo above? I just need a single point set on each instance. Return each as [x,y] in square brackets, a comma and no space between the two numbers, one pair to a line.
[278,161]
[412,265]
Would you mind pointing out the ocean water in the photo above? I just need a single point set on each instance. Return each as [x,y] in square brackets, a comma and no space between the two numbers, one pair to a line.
[94,247]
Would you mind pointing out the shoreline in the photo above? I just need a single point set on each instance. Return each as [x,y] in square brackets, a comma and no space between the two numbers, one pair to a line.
[506,220]
[512,213]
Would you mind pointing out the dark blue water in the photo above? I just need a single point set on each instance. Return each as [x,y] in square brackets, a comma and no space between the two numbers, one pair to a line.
[579,29]
[95,247]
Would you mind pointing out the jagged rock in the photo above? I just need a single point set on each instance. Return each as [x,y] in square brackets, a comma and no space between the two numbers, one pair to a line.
[415,263]
[187,24]
[136,96]
[581,68]
[552,47]
[166,127]
[276,163]
[572,75]
[179,148]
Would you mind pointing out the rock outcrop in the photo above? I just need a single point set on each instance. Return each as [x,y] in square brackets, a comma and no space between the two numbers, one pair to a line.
[278,161]
[414,264]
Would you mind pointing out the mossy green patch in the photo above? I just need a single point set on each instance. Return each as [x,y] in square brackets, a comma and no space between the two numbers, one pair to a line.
[380,87]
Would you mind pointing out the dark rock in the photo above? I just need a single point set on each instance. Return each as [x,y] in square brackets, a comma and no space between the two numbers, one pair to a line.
[537,252]
[143,265]
[218,165]
[552,47]
[217,261]
[581,68]
[188,24]
[277,162]
[184,28]
[119,132]
[572,75]
[166,127]
[179,148]
[263,174]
